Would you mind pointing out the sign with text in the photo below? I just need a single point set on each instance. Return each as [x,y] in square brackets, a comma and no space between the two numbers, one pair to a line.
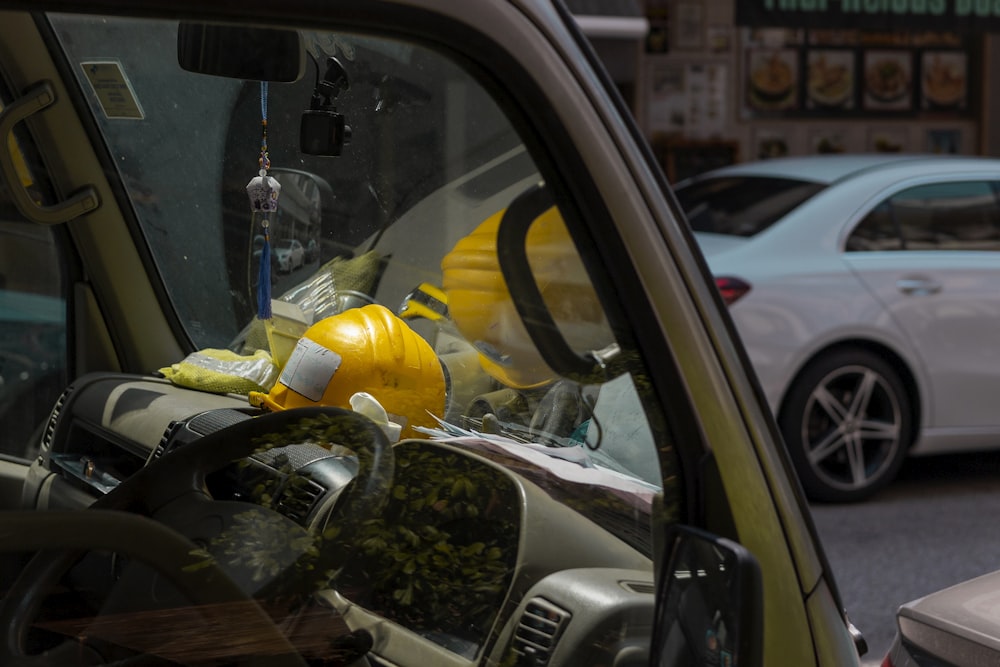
[948,15]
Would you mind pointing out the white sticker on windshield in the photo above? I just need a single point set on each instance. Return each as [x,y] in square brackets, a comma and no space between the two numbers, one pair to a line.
[310,369]
[113,90]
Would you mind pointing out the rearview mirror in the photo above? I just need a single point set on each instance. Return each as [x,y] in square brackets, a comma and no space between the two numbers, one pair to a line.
[710,604]
[239,52]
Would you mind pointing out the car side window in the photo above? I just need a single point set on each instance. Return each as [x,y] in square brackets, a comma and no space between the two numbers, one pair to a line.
[878,231]
[949,216]
[33,306]
[962,215]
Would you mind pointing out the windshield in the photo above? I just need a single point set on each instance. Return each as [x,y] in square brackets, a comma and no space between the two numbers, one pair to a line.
[741,205]
[186,171]
[377,236]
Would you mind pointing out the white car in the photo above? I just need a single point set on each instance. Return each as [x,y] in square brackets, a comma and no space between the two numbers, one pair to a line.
[291,255]
[866,290]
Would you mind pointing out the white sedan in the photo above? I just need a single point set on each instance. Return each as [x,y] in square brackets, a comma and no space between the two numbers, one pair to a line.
[866,290]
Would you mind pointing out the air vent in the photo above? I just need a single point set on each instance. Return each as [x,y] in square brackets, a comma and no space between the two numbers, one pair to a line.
[179,433]
[299,497]
[538,630]
[50,427]
[165,439]
[643,587]
[216,420]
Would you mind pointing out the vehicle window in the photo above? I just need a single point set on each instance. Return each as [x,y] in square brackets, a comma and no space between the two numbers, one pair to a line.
[942,216]
[33,343]
[741,206]
[877,231]
[432,275]
[949,216]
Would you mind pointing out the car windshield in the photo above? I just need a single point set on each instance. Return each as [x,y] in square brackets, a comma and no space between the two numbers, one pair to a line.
[741,205]
[192,205]
[415,215]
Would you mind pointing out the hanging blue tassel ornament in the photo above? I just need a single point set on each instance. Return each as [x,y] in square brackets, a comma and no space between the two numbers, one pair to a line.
[264,280]
[263,191]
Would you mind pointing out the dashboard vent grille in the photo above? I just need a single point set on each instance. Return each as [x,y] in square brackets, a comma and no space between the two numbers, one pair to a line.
[181,432]
[643,587]
[299,497]
[215,420]
[50,427]
[168,434]
[539,629]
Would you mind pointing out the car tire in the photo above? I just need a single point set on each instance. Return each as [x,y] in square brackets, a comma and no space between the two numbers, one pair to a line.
[847,422]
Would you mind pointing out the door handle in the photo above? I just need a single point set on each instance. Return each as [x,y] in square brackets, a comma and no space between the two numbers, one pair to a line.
[917,286]
[82,201]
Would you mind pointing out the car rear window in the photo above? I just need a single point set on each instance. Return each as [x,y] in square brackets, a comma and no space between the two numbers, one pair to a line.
[741,205]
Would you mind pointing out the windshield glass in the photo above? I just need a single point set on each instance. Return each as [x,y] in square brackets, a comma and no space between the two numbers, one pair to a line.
[741,205]
[370,237]
[186,171]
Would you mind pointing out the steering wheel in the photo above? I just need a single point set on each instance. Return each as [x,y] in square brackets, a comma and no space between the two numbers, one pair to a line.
[171,491]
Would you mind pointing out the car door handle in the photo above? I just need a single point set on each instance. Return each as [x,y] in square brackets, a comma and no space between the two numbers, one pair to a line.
[84,200]
[917,286]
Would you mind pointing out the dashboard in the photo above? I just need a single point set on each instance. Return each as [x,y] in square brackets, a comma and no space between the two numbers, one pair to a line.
[481,551]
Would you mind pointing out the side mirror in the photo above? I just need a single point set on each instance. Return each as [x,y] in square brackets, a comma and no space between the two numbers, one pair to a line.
[710,604]
[238,52]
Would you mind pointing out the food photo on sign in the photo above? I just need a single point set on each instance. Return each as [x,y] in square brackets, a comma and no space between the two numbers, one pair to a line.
[830,82]
[943,80]
[772,80]
[888,76]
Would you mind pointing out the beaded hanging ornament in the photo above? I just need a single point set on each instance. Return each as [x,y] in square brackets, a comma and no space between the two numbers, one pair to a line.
[263,191]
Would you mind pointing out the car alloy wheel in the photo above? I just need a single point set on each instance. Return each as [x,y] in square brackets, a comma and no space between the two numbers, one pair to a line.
[847,424]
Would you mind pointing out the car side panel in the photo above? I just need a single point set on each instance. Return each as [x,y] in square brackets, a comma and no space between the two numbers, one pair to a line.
[947,304]
[792,314]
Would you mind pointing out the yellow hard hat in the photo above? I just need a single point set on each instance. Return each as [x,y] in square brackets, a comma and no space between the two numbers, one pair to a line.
[480,304]
[366,349]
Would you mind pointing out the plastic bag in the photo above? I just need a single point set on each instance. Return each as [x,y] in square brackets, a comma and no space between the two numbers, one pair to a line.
[224,372]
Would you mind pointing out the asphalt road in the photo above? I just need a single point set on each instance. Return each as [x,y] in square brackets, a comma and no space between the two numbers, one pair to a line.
[935,526]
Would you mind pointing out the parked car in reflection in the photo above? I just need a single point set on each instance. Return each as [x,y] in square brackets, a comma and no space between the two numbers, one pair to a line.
[866,290]
[291,255]
[954,627]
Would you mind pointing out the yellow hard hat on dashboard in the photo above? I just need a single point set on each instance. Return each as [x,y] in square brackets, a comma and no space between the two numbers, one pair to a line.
[480,303]
[369,350]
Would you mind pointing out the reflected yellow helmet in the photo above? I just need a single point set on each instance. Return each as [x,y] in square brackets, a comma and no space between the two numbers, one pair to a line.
[480,304]
[369,350]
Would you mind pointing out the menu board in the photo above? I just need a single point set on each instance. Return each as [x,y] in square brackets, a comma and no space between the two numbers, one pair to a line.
[692,99]
[853,73]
